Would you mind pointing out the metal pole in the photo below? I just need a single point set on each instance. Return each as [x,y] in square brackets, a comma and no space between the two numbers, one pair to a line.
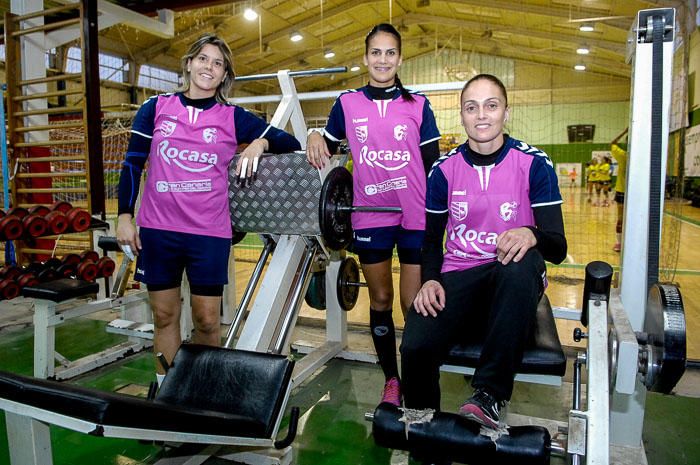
[297,292]
[249,290]
[310,72]
[369,209]
[9,245]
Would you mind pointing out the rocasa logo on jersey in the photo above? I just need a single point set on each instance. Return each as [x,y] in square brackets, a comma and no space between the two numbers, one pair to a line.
[191,157]
[386,159]
[475,239]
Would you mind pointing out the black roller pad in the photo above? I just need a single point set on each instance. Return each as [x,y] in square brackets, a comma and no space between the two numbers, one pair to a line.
[449,436]
[61,289]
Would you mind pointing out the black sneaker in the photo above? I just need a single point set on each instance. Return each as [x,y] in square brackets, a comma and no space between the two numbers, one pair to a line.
[483,408]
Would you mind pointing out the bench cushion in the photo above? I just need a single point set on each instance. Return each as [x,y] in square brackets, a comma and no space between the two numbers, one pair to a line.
[225,417]
[543,355]
[61,289]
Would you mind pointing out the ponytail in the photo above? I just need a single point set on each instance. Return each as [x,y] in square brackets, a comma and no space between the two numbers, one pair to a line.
[404,92]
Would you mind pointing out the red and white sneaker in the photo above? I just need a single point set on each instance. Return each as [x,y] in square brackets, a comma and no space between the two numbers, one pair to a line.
[392,392]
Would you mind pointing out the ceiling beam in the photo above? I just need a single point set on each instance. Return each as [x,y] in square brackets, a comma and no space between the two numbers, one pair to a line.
[560,12]
[151,7]
[612,46]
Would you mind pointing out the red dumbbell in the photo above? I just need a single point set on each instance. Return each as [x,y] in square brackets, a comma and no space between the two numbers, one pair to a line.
[8,289]
[87,271]
[89,255]
[71,259]
[9,272]
[61,206]
[11,227]
[78,219]
[56,219]
[67,270]
[27,279]
[105,267]
[34,225]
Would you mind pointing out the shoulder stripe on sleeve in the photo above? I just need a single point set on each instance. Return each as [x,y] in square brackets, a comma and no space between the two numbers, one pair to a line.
[436,211]
[142,134]
[544,204]
[264,132]
[430,140]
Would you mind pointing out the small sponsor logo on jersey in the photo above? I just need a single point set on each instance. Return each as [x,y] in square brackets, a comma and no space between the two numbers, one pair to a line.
[193,114]
[508,211]
[475,239]
[200,185]
[360,120]
[363,238]
[209,135]
[361,133]
[167,127]
[184,158]
[385,159]
[459,210]
[459,193]
[381,330]
[400,131]
[386,186]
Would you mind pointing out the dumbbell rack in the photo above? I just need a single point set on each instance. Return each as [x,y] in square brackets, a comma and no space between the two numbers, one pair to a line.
[47,168]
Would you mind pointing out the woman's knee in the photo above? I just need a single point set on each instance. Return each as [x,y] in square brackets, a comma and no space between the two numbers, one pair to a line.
[381,299]
[532,264]
[164,316]
[206,322]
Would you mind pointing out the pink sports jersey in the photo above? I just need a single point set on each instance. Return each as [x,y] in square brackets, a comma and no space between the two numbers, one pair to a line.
[384,137]
[188,169]
[483,202]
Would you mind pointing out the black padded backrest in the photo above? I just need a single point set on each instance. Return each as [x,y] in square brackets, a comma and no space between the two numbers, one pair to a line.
[250,384]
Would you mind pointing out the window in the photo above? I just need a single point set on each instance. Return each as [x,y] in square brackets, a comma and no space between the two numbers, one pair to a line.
[158,78]
[112,68]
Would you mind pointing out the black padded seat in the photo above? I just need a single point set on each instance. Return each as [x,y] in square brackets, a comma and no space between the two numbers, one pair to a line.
[61,289]
[207,391]
[543,355]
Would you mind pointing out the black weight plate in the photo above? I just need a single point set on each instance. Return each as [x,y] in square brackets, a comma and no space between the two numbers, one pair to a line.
[349,271]
[665,327]
[316,292]
[335,225]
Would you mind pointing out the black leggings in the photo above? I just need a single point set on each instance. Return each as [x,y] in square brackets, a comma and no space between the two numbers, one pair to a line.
[493,302]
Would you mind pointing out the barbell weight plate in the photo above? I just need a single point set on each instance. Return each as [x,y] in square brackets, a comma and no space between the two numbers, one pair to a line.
[349,272]
[664,325]
[336,225]
[316,292]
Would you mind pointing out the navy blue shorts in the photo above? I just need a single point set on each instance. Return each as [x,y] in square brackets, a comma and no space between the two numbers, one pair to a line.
[375,245]
[165,255]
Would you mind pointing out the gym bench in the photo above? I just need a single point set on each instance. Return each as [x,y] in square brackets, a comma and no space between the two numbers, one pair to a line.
[459,439]
[210,395]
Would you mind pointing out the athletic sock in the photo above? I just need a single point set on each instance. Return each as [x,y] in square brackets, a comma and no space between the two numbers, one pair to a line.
[160,378]
[384,338]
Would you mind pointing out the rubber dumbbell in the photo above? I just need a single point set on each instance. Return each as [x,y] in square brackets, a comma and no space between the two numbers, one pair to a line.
[67,270]
[8,289]
[11,227]
[71,259]
[78,219]
[89,255]
[34,225]
[26,279]
[9,272]
[87,271]
[105,267]
[56,219]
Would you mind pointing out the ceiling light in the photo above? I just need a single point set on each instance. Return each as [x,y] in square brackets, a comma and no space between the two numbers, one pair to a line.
[355,67]
[580,67]
[583,50]
[250,14]
[586,27]
[329,54]
[295,37]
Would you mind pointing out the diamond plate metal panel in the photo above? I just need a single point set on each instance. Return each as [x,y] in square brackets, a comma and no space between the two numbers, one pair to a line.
[282,200]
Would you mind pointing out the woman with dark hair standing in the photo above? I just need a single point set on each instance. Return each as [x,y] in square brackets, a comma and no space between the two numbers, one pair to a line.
[498,199]
[189,137]
[393,138]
